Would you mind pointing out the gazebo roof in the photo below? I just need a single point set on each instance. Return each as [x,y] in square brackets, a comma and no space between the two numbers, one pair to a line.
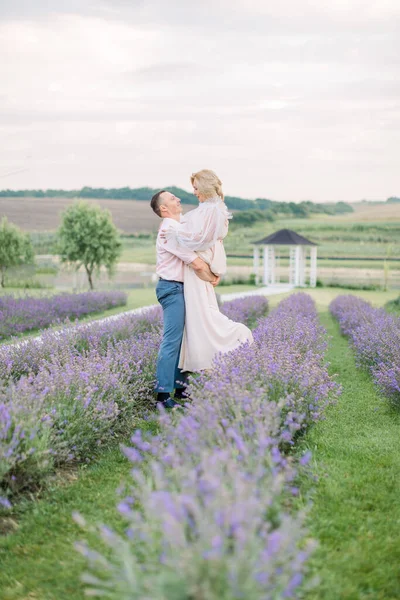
[285,237]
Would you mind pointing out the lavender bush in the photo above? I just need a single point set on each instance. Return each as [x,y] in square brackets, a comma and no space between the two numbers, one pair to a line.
[24,314]
[286,361]
[70,392]
[375,337]
[207,514]
[246,310]
[26,357]
[74,401]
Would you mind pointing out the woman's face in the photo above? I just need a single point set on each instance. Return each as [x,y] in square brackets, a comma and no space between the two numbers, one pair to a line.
[196,192]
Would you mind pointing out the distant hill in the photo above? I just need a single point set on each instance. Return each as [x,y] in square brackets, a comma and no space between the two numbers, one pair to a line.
[393,199]
[268,208]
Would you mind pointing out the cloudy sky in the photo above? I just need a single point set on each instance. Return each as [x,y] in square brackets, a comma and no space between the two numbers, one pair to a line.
[290,100]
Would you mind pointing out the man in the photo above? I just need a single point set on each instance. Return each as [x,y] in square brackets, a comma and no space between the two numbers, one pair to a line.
[171,259]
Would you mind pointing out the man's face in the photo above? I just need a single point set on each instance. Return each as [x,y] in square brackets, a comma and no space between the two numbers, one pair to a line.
[170,205]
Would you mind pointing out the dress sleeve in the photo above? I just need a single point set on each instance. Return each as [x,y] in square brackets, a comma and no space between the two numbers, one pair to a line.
[202,227]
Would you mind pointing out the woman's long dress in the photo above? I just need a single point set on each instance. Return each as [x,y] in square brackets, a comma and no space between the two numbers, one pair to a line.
[207,331]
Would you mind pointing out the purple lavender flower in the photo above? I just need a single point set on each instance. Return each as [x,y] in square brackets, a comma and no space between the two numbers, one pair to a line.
[68,394]
[375,338]
[24,314]
[209,520]
[246,310]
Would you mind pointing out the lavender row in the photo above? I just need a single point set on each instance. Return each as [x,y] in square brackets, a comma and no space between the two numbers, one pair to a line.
[26,358]
[246,310]
[25,314]
[207,512]
[375,337]
[68,393]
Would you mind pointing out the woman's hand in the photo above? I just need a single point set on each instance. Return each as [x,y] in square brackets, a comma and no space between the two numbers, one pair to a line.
[165,234]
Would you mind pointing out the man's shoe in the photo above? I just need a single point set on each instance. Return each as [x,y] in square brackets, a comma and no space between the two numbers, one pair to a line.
[181,394]
[170,404]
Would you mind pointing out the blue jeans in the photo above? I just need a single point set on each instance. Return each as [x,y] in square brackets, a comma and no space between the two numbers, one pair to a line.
[170,296]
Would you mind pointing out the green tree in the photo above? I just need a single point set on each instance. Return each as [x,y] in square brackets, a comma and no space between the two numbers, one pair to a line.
[87,237]
[15,248]
[248,217]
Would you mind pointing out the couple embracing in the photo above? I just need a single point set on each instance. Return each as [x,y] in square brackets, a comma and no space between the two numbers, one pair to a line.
[190,261]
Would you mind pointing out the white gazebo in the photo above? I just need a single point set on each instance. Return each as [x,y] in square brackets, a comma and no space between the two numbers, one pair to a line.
[297,258]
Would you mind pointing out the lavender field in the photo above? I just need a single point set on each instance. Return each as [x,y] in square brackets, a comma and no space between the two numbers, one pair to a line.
[68,394]
[208,510]
[375,337]
[18,315]
[213,503]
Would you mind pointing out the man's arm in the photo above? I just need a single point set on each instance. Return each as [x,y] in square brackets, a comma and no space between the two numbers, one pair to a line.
[185,255]
[203,271]
[190,258]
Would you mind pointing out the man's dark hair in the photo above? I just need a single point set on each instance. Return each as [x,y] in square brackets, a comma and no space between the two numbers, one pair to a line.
[155,202]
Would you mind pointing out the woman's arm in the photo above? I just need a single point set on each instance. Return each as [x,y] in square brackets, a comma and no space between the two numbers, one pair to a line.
[202,227]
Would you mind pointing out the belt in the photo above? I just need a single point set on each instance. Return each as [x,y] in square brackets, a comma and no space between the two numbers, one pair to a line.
[171,280]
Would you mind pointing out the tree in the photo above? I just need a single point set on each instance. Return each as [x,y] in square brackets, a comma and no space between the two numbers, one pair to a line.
[249,217]
[15,248]
[87,237]
[343,207]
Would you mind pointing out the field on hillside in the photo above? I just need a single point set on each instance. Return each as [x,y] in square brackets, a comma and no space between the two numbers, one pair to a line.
[44,214]
[335,236]
[130,216]
[371,233]
[374,212]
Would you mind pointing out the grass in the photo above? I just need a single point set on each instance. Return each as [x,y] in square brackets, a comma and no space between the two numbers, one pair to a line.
[38,560]
[346,236]
[324,296]
[393,306]
[21,293]
[338,264]
[355,512]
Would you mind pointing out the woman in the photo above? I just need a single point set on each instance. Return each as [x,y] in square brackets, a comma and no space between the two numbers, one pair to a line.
[207,330]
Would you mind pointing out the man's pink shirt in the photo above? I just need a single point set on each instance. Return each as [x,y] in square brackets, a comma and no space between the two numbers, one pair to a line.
[171,258]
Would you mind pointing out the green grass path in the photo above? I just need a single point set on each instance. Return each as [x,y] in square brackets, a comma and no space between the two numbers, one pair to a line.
[356,501]
[38,561]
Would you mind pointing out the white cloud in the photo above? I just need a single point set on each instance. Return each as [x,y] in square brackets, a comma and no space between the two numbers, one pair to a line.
[286,100]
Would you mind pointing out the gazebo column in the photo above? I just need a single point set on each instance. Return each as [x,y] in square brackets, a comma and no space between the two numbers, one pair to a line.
[292,265]
[266,266]
[271,251]
[302,266]
[269,265]
[313,266]
[297,265]
[256,264]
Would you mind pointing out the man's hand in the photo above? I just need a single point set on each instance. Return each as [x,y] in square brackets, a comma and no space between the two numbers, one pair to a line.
[204,272]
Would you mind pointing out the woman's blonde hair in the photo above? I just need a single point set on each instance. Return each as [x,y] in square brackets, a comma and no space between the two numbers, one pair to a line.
[209,184]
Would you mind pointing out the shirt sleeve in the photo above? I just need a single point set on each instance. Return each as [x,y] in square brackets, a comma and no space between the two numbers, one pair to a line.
[184,254]
[206,225]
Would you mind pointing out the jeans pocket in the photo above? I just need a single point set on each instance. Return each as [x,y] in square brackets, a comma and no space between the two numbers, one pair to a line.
[168,289]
